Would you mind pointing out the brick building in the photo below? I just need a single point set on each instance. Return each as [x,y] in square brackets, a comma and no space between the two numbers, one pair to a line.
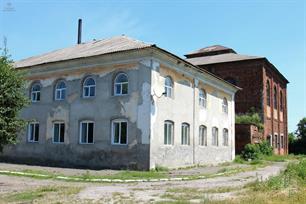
[263,87]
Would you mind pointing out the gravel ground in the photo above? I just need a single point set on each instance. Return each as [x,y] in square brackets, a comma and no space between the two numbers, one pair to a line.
[77,172]
[145,192]
[141,192]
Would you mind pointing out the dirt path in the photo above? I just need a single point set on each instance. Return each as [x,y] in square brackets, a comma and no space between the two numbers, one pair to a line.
[145,192]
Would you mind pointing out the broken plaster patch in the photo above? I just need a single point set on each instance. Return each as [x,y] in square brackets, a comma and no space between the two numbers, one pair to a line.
[129,109]
[144,113]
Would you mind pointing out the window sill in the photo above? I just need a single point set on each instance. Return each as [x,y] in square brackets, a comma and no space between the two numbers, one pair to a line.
[115,144]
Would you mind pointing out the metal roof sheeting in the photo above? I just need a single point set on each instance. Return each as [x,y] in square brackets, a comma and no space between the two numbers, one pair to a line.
[228,57]
[93,48]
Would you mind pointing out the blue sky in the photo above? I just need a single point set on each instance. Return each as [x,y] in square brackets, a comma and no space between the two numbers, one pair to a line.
[274,29]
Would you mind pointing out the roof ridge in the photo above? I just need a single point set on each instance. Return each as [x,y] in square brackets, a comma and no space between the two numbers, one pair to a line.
[85,49]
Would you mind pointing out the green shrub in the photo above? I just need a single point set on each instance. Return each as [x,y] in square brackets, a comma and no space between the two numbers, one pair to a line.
[250,118]
[251,151]
[265,148]
[256,151]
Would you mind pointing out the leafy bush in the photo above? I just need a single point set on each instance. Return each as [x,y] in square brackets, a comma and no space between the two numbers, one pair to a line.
[265,148]
[256,151]
[251,151]
[250,118]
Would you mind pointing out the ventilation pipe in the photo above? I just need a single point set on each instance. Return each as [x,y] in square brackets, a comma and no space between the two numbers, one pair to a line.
[80,31]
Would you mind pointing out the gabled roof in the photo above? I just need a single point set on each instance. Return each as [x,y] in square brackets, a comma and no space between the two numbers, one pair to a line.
[92,48]
[210,50]
[228,57]
[102,47]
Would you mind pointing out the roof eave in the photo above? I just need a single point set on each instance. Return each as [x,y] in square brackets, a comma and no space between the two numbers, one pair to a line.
[236,88]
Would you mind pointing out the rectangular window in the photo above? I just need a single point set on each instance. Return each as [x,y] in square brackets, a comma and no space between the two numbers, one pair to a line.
[119,132]
[225,137]
[168,133]
[60,94]
[58,132]
[275,141]
[33,132]
[215,141]
[185,134]
[269,139]
[203,135]
[282,141]
[86,132]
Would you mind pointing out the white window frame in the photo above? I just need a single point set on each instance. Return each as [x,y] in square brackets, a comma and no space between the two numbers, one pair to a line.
[225,137]
[185,134]
[34,94]
[61,91]
[113,131]
[203,98]
[169,88]
[89,88]
[203,135]
[121,85]
[168,139]
[93,132]
[215,137]
[225,105]
[59,132]
[34,129]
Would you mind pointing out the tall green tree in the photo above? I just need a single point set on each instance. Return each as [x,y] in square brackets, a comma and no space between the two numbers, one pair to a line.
[301,130]
[12,100]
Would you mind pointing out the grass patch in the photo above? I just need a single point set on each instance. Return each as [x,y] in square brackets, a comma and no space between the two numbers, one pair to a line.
[30,195]
[40,193]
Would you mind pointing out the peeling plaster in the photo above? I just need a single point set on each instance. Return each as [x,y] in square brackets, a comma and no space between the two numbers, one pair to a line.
[129,109]
[57,114]
[144,113]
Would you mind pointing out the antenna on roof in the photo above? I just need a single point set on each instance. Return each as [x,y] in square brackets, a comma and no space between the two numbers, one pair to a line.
[80,31]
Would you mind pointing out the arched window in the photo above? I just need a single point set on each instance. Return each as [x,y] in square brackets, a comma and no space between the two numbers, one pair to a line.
[35,92]
[202,98]
[281,101]
[168,87]
[89,87]
[268,93]
[121,84]
[60,90]
[168,132]
[185,134]
[203,135]
[224,105]
[275,98]
[225,137]
[215,139]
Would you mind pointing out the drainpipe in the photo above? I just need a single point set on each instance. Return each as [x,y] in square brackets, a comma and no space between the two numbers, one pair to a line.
[195,84]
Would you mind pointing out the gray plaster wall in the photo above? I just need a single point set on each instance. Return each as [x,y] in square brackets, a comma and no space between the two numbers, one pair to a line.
[184,108]
[102,109]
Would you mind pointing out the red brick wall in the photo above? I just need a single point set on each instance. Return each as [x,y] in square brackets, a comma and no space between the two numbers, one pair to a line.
[274,125]
[251,76]
[248,75]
